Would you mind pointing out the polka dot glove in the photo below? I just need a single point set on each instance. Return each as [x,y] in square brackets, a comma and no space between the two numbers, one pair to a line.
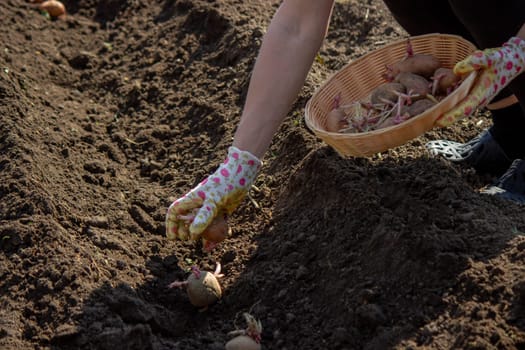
[497,67]
[221,192]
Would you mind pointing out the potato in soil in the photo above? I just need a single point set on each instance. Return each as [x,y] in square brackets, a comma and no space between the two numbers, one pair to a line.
[53,7]
[203,289]
[242,342]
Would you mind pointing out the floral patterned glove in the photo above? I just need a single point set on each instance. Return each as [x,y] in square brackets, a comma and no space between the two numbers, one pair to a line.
[497,66]
[221,192]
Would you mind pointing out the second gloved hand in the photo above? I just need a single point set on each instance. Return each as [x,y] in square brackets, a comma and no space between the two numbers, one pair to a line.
[219,193]
[497,67]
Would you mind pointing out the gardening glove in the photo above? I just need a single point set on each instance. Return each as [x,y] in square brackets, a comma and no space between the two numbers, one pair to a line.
[497,67]
[221,192]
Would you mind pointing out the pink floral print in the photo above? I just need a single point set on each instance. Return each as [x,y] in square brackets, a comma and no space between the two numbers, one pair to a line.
[497,68]
[221,192]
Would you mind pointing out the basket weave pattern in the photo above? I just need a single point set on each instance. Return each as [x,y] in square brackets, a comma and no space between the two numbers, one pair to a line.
[356,80]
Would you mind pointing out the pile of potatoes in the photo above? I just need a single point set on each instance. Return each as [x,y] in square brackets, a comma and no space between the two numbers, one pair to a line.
[412,85]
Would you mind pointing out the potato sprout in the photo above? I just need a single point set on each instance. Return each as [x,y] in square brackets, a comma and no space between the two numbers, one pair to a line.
[246,339]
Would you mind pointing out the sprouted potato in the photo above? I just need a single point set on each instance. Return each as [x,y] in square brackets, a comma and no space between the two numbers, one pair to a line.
[53,7]
[217,231]
[417,63]
[202,287]
[246,339]
[413,85]
[444,81]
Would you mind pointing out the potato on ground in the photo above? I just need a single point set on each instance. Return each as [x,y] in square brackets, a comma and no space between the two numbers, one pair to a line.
[204,289]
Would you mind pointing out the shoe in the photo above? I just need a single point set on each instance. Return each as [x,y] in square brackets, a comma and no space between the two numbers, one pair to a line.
[483,153]
[510,185]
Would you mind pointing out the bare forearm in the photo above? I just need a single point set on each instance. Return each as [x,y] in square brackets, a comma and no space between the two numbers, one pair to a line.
[286,55]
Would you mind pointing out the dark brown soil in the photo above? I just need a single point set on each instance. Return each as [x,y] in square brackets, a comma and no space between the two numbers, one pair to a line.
[109,115]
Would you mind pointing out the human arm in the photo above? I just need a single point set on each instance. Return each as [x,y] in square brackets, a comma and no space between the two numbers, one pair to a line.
[287,52]
[289,47]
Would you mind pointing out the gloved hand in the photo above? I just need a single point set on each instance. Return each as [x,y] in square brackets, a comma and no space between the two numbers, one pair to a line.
[221,192]
[497,66]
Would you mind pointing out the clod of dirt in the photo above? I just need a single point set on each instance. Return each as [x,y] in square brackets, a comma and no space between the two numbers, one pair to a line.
[370,316]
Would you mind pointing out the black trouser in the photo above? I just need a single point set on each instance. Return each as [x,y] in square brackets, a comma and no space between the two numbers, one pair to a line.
[486,23]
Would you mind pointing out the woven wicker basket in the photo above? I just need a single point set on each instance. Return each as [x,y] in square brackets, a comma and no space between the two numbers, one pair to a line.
[356,80]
